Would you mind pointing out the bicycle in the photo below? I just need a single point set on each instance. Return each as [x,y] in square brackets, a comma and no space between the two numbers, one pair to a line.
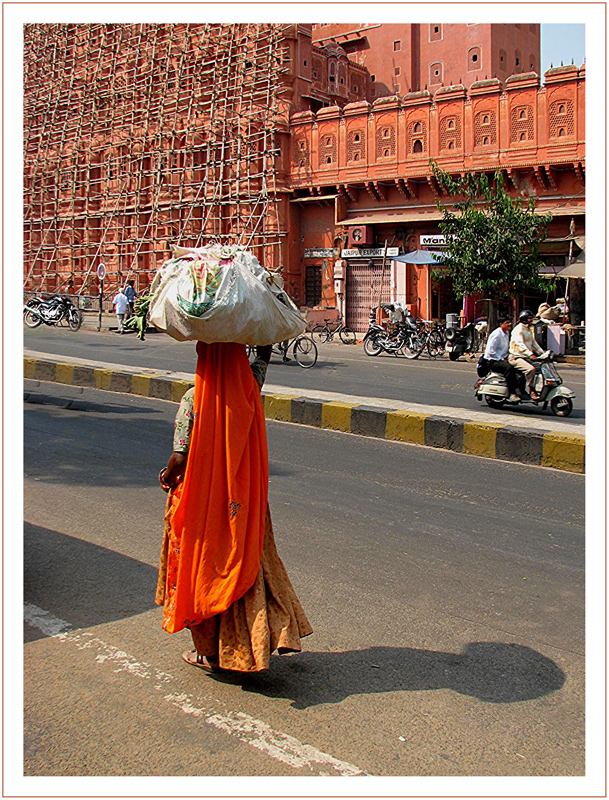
[324,333]
[434,338]
[304,351]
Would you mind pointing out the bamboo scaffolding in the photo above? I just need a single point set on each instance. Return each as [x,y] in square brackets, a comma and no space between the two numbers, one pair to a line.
[141,136]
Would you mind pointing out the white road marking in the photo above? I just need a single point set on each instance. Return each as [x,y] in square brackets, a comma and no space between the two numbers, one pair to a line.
[247,729]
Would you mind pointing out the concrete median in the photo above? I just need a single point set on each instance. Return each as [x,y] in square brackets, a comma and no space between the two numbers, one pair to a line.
[546,448]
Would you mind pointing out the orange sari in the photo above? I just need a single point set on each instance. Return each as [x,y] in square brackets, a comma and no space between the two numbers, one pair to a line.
[217,515]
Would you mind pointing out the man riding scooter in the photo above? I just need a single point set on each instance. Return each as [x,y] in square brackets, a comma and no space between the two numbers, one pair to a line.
[522,347]
[496,353]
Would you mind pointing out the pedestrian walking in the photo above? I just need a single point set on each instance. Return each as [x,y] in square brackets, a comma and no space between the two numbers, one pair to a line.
[121,304]
[131,294]
[220,574]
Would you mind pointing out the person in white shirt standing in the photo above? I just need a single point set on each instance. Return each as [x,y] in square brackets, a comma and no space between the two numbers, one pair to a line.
[496,353]
[121,304]
[523,346]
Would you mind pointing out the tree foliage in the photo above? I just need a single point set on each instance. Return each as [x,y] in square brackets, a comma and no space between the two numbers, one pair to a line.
[492,239]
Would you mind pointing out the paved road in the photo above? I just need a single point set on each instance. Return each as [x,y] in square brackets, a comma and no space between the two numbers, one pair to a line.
[446,593]
[341,368]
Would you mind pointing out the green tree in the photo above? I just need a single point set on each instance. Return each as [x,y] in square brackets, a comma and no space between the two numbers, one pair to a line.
[492,239]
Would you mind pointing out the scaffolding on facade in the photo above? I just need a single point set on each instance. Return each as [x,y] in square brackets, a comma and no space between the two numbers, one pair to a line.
[139,137]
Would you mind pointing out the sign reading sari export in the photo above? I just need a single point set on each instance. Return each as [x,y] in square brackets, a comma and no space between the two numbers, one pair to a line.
[370,252]
[318,252]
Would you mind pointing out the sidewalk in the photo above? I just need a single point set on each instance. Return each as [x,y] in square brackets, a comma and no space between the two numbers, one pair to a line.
[541,441]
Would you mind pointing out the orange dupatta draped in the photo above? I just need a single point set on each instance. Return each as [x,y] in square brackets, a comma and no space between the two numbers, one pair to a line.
[218,511]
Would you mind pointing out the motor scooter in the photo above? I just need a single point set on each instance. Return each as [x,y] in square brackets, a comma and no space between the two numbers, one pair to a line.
[547,383]
[460,341]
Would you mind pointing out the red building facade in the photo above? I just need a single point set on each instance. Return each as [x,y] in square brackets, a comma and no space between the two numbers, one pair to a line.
[412,57]
[367,170]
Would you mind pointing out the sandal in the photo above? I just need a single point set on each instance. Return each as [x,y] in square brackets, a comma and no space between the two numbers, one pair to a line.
[197,660]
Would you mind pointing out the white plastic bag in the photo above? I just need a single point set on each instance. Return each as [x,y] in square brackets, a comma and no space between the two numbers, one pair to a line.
[222,294]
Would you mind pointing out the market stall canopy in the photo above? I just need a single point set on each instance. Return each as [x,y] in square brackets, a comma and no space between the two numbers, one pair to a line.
[421,257]
[575,270]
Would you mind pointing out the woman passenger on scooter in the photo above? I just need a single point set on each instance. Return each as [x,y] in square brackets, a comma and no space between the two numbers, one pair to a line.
[496,353]
[522,347]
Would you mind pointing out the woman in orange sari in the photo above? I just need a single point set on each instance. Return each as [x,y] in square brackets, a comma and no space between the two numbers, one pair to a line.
[220,574]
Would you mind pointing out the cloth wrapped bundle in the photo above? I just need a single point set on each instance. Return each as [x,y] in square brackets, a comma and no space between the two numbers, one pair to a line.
[222,294]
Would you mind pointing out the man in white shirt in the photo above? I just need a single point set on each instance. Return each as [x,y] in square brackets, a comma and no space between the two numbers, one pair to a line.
[121,304]
[523,346]
[496,353]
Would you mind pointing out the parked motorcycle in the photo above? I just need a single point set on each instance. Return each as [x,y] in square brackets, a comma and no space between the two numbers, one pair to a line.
[547,383]
[460,341]
[52,311]
[405,339]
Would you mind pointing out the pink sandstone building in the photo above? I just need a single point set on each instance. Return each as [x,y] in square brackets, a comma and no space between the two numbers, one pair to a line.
[356,122]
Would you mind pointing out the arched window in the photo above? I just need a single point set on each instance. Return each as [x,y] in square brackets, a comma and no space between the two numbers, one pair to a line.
[474,58]
[485,140]
[451,123]
[522,114]
[523,137]
[418,146]
[561,108]
[328,159]
[485,119]
[451,145]
[417,127]
[561,131]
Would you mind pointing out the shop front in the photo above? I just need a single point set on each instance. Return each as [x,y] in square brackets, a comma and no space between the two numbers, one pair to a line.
[368,283]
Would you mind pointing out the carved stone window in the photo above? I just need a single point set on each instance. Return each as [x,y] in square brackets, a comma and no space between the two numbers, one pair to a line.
[485,128]
[385,141]
[327,149]
[356,145]
[450,131]
[522,124]
[417,137]
[561,118]
[303,152]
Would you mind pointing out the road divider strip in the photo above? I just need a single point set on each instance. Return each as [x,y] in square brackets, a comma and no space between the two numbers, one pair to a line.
[564,451]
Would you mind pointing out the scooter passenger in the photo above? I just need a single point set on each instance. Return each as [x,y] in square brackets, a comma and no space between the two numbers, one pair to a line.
[496,354]
[522,347]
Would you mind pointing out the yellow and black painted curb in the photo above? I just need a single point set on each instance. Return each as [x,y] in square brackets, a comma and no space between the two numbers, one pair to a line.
[565,451]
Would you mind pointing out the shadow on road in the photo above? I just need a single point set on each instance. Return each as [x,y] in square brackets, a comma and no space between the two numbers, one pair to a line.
[493,672]
[82,583]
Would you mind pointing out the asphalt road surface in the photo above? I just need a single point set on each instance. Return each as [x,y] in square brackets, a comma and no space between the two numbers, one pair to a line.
[340,368]
[445,592]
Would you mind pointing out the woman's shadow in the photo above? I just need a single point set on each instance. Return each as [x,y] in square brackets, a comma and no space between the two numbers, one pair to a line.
[493,672]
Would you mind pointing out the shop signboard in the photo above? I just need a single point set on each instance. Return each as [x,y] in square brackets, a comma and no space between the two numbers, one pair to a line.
[370,252]
[433,241]
[318,252]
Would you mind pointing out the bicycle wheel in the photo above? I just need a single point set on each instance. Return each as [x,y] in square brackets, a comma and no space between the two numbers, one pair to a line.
[347,336]
[435,344]
[320,334]
[305,352]
[414,346]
